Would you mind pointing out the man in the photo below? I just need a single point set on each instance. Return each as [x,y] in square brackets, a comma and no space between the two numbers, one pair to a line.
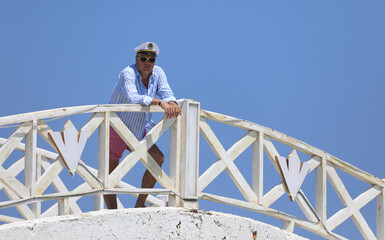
[140,83]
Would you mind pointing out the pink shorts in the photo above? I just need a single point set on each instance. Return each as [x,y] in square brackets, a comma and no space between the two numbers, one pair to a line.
[117,145]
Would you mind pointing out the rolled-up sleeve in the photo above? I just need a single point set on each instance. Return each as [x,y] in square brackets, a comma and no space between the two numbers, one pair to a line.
[164,91]
[128,89]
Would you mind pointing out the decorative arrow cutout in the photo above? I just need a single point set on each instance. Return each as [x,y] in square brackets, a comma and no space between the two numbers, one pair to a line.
[293,172]
[70,144]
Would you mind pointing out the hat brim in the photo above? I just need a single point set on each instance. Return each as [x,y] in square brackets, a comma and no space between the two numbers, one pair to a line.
[147,52]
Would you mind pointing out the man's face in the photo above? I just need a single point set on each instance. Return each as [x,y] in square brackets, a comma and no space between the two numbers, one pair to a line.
[145,63]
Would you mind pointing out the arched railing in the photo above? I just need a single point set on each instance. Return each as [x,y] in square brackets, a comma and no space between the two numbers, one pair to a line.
[184,185]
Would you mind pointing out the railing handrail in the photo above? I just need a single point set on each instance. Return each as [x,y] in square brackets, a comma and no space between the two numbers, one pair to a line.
[68,111]
[183,184]
[295,143]
[244,124]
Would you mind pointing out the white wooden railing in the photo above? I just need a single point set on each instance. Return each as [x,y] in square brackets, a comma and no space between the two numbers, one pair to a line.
[184,184]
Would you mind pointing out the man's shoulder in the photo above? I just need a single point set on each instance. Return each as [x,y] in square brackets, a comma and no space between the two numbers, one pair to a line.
[128,72]
[129,69]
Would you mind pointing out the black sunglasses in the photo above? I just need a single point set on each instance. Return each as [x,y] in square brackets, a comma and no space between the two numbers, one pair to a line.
[144,59]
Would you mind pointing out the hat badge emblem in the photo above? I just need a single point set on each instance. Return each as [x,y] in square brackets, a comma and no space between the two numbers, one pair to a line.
[150,46]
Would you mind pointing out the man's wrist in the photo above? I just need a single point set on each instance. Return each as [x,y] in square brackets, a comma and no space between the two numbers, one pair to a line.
[160,102]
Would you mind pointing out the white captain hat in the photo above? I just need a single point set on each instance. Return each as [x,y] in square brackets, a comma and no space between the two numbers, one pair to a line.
[147,47]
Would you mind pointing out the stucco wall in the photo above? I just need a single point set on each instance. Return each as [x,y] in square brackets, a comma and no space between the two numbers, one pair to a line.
[149,223]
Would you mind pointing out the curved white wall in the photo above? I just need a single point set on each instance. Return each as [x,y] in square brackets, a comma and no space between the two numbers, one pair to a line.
[148,223]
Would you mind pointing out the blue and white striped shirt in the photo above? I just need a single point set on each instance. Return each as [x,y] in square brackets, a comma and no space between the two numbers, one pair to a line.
[130,90]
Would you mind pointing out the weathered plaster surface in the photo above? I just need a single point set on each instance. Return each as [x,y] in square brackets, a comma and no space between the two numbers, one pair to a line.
[148,223]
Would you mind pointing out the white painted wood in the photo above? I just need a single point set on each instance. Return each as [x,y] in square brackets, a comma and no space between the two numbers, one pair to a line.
[289,226]
[240,181]
[30,163]
[320,190]
[347,201]
[13,141]
[242,144]
[175,162]
[36,207]
[359,202]
[93,123]
[44,131]
[23,209]
[57,196]
[355,172]
[153,201]
[64,112]
[59,186]
[294,143]
[49,175]
[273,195]
[314,162]
[8,219]
[306,207]
[123,168]
[150,199]
[119,203]
[313,227]
[13,184]
[129,161]
[15,169]
[121,129]
[70,144]
[351,209]
[364,198]
[139,149]
[257,168]
[214,170]
[293,172]
[231,169]
[103,158]
[157,131]
[210,174]
[63,206]
[157,172]
[90,178]
[38,166]
[190,153]
[380,212]
[73,206]
[271,152]
[30,159]
[45,153]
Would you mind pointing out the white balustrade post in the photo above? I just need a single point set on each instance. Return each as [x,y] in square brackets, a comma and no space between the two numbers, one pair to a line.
[190,153]
[36,207]
[257,167]
[175,158]
[63,206]
[103,158]
[320,188]
[381,215]
[30,164]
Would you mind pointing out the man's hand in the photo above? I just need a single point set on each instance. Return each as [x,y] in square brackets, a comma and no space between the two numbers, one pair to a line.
[172,110]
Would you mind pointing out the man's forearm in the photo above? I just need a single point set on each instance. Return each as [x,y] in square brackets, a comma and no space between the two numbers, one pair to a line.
[155,101]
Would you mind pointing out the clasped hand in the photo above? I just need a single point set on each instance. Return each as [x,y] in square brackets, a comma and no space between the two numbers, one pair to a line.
[171,109]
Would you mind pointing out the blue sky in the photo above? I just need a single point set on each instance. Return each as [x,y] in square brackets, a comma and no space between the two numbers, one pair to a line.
[311,69]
